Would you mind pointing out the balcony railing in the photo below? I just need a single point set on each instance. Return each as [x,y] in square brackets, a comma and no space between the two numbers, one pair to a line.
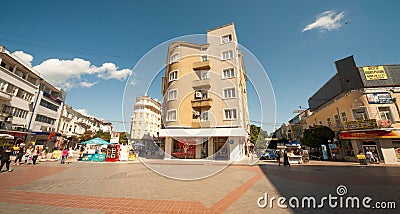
[201,83]
[205,65]
[5,96]
[198,103]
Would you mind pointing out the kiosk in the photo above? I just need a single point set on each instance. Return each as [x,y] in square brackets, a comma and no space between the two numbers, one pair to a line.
[112,152]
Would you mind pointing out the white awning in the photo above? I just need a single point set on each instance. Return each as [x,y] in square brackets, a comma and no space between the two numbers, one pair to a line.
[203,132]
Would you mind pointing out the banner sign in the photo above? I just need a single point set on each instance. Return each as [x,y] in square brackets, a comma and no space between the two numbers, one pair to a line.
[114,137]
[375,73]
[379,98]
[360,124]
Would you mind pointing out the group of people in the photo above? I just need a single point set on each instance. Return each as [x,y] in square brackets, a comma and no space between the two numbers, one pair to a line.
[18,151]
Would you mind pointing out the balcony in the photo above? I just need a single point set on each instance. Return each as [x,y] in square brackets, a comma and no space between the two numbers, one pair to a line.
[5,96]
[201,124]
[198,103]
[205,65]
[201,83]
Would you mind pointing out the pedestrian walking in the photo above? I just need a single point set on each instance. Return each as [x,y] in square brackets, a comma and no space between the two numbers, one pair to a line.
[70,155]
[20,153]
[278,157]
[286,159]
[6,158]
[64,155]
[35,155]
[28,155]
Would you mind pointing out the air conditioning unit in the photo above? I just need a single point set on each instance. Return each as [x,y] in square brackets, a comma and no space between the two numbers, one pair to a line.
[196,113]
[198,94]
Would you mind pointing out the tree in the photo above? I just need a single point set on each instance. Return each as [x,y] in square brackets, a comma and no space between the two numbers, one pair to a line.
[314,137]
[103,135]
[87,135]
[257,136]
[123,138]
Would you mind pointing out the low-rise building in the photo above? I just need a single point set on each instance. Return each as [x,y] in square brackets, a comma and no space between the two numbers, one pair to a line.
[360,105]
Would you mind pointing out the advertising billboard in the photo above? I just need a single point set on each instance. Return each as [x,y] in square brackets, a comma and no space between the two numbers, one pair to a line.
[379,98]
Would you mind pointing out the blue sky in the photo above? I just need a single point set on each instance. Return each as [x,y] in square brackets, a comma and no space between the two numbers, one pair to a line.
[89,47]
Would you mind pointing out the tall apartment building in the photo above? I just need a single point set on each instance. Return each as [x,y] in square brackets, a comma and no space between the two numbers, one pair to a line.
[146,119]
[360,103]
[205,113]
[30,106]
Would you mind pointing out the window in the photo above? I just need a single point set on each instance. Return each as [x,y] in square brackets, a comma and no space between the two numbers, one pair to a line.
[329,122]
[320,122]
[385,113]
[171,115]
[44,119]
[173,94]
[230,114]
[337,120]
[48,105]
[227,55]
[226,39]
[344,117]
[204,75]
[204,58]
[174,58]
[228,73]
[3,64]
[173,75]
[204,116]
[229,93]
[360,114]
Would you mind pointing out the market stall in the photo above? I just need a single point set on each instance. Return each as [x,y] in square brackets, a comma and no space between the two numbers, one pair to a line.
[93,149]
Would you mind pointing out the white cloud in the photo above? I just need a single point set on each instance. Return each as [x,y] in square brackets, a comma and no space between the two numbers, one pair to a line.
[27,58]
[87,84]
[328,20]
[67,73]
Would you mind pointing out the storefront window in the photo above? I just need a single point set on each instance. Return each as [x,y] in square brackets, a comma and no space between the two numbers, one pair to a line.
[348,148]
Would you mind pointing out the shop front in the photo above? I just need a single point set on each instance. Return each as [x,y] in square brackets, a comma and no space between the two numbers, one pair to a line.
[209,144]
[382,144]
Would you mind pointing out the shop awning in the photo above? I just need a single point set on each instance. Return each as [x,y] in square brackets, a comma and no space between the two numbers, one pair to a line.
[205,132]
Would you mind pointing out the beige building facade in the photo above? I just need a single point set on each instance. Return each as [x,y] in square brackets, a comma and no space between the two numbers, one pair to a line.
[204,110]
[364,117]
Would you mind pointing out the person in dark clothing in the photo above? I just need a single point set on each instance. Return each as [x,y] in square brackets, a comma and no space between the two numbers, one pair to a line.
[286,159]
[20,153]
[5,159]
[35,155]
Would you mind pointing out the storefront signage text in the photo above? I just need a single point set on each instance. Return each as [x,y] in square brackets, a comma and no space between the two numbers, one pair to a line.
[375,73]
[379,98]
[360,124]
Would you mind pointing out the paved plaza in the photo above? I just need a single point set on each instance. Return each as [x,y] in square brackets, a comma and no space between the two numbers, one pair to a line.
[132,187]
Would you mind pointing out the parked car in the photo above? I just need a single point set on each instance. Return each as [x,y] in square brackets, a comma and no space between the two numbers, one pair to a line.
[269,154]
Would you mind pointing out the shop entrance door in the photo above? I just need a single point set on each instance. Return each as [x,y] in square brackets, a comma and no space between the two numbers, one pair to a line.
[373,149]
[221,148]
[204,149]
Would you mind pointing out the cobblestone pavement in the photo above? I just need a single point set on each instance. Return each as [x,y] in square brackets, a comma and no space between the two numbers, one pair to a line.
[133,188]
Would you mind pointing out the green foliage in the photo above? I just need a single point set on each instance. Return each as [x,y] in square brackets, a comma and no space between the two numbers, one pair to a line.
[103,135]
[123,138]
[257,136]
[87,135]
[316,136]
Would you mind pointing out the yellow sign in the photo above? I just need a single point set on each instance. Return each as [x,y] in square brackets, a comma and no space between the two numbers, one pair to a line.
[375,73]
[360,124]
